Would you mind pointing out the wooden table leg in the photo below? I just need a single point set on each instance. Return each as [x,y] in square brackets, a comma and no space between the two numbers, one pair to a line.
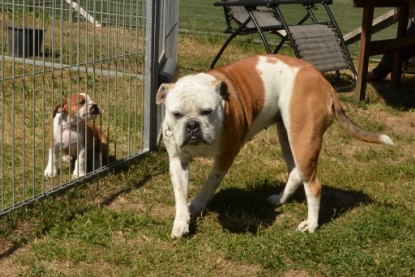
[397,61]
[363,62]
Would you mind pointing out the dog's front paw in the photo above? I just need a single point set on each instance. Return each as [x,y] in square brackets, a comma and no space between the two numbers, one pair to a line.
[307,226]
[78,174]
[180,228]
[66,159]
[50,171]
[196,207]
[275,199]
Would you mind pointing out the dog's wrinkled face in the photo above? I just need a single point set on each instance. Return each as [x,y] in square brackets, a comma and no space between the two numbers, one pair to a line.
[194,109]
[80,106]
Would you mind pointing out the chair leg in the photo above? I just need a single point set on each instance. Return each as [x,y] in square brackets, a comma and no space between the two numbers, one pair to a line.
[278,14]
[215,60]
[225,44]
[283,40]
[261,34]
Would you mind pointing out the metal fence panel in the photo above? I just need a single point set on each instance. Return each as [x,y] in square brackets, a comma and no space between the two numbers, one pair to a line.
[51,49]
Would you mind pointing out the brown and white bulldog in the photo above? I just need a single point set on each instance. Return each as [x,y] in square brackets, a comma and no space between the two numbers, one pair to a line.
[215,113]
[72,134]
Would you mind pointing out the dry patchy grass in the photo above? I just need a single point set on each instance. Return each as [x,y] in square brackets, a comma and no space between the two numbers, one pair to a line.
[119,225]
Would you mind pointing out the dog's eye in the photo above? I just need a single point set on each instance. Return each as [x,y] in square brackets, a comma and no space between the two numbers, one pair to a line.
[206,112]
[177,115]
[81,102]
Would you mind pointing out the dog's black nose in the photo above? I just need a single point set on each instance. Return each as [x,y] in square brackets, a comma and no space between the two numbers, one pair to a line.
[192,126]
[94,109]
[193,132]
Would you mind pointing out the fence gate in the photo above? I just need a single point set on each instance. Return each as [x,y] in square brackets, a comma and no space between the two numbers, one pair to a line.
[115,51]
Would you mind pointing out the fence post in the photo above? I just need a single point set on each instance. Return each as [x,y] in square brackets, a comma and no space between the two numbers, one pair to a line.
[151,74]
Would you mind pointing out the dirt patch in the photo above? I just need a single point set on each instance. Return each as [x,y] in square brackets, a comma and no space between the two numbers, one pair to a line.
[70,269]
[7,268]
[123,204]
[5,245]
[237,269]
[6,265]
[399,126]
[296,273]
[404,126]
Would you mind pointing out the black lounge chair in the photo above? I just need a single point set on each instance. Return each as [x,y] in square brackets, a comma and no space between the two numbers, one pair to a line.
[319,42]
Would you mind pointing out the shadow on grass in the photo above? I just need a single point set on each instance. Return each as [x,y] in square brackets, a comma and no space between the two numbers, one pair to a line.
[402,98]
[22,226]
[341,83]
[247,210]
[336,202]
[151,164]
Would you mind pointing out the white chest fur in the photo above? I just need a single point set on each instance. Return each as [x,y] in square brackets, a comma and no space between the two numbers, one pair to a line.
[68,133]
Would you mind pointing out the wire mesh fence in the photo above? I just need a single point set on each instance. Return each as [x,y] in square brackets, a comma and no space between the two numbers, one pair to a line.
[51,50]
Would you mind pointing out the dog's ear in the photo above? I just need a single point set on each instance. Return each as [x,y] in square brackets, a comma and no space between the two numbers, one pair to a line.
[222,89]
[62,108]
[162,93]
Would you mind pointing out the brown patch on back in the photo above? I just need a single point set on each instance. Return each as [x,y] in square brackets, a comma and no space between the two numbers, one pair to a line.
[246,100]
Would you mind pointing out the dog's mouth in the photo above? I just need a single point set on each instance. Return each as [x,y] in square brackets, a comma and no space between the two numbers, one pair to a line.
[194,140]
[91,113]
[94,111]
[194,135]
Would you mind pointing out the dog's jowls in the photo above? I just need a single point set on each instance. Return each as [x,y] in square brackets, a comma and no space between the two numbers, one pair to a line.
[215,113]
[73,133]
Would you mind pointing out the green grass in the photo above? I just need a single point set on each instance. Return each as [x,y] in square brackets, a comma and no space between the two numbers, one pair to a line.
[120,224]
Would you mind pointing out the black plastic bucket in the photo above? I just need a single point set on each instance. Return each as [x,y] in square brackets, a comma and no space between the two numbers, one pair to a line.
[24,41]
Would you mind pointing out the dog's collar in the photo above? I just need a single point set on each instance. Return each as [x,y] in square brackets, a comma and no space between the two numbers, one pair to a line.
[167,132]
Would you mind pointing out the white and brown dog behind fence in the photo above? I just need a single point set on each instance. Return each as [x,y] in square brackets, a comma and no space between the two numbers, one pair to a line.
[215,113]
[74,135]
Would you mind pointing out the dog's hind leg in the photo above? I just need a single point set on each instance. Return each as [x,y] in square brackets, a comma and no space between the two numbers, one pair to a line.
[306,144]
[306,157]
[294,178]
[304,140]
[285,145]
[313,194]
[294,181]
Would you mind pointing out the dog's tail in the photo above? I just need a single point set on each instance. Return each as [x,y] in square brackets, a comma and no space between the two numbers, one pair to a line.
[347,124]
